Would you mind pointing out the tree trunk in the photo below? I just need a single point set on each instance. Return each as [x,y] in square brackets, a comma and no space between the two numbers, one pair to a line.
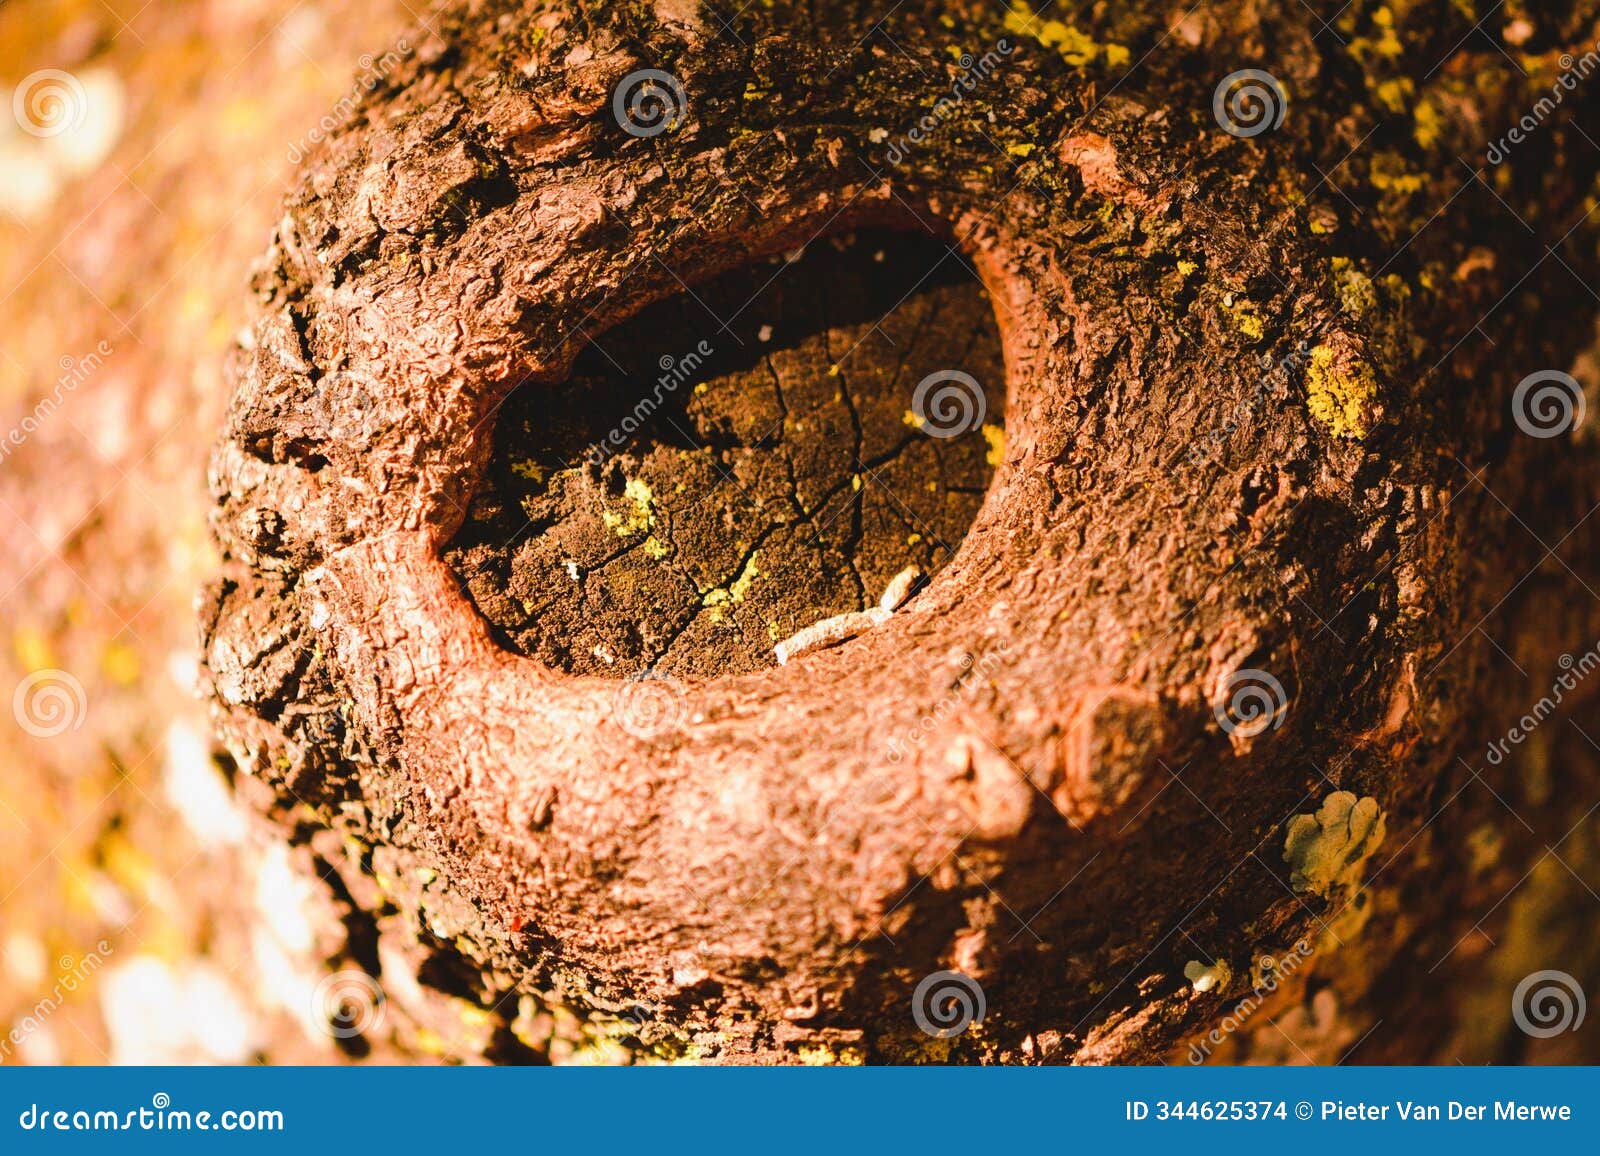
[1194,717]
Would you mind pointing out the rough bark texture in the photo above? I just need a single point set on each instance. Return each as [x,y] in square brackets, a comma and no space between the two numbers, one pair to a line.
[1030,773]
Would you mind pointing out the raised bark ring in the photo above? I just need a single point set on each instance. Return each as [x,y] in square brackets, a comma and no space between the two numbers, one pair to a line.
[984,745]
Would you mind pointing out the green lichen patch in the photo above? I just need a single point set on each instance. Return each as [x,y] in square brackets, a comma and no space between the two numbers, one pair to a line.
[1326,850]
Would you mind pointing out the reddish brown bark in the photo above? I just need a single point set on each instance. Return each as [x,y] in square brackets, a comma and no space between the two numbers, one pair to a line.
[1030,774]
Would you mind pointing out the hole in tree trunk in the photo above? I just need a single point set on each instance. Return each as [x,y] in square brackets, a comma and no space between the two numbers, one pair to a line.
[740,462]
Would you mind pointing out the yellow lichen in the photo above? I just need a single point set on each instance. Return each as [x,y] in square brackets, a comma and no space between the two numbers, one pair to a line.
[1395,94]
[996,437]
[639,516]
[740,589]
[1356,294]
[1386,43]
[1246,318]
[1340,393]
[1388,175]
[1327,850]
[821,1056]
[718,600]
[1427,126]
[1076,48]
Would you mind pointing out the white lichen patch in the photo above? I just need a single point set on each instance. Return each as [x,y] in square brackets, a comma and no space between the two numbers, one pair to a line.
[1327,850]
[899,588]
[843,627]
[1208,977]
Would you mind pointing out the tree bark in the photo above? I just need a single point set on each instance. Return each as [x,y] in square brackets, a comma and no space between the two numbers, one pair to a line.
[772,878]
[1209,678]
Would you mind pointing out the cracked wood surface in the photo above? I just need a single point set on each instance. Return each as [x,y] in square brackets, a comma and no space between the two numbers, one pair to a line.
[779,480]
